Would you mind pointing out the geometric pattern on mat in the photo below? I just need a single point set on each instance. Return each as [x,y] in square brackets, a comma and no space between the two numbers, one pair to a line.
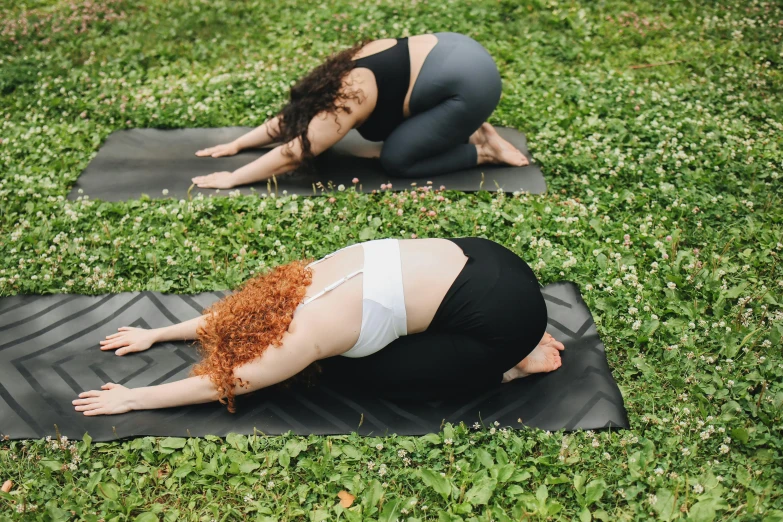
[49,353]
[133,162]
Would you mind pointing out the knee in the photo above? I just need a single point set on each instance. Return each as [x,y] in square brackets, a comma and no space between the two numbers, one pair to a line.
[395,163]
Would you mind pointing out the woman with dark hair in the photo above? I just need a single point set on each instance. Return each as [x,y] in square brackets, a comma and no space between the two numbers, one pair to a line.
[426,97]
[416,318]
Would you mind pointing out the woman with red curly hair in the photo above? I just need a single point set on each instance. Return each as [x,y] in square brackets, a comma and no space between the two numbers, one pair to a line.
[417,318]
[426,97]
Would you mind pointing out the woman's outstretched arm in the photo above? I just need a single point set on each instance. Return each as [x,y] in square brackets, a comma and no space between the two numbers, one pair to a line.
[129,339]
[258,137]
[324,130]
[277,364]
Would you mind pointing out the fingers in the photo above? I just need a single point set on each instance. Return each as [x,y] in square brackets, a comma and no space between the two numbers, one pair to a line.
[130,349]
[206,182]
[108,345]
[88,407]
[108,386]
[120,331]
[98,411]
[215,152]
[91,393]
[205,152]
[84,402]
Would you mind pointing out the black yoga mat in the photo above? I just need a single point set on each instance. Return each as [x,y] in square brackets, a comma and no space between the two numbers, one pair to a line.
[147,161]
[49,353]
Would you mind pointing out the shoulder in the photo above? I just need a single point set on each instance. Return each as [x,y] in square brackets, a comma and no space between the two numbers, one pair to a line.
[359,81]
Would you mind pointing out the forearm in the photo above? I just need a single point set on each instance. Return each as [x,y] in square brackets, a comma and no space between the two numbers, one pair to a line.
[276,365]
[273,163]
[184,331]
[260,136]
[193,390]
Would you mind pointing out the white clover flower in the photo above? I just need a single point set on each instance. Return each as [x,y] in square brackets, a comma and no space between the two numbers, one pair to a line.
[698,489]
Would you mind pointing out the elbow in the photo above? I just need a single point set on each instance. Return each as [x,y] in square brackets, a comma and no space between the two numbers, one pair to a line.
[290,160]
[294,163]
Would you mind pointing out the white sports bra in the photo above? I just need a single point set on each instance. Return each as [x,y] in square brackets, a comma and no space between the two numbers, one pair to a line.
[384,318]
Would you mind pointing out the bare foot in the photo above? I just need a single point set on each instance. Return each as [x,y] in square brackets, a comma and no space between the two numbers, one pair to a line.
[543,359]
[479,137]
[494,149]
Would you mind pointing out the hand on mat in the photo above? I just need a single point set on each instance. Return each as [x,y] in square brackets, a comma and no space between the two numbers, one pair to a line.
[217,180]
[218,151]
[129,340]
[111,399]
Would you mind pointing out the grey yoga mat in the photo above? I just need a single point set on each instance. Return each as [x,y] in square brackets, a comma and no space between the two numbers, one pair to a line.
[49,353]
[147,161]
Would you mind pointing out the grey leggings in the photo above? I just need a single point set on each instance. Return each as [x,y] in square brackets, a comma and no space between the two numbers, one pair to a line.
[457,89]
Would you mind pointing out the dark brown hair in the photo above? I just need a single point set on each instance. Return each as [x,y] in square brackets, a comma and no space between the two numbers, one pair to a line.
[322,90]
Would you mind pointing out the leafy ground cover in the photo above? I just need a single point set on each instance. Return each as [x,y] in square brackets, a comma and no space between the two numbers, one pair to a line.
[659,126]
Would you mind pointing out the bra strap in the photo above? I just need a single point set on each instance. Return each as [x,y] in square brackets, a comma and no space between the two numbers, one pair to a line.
[333,286]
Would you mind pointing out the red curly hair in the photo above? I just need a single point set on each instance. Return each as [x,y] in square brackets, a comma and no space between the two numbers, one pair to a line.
[241,326]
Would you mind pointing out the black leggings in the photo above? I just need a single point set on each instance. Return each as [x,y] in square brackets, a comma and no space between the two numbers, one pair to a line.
[457,89]
[490,319]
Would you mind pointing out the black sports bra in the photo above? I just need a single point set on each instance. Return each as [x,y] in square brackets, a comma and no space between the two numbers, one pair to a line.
[392,70]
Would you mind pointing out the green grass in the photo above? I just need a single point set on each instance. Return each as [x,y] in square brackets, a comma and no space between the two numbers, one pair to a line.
[664,205]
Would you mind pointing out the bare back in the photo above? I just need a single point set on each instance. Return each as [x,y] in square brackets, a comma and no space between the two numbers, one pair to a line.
[429,267]
[419,47]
